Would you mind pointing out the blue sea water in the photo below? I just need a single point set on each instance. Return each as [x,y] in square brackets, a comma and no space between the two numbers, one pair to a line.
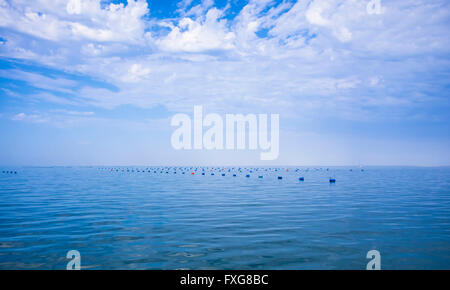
[147,220]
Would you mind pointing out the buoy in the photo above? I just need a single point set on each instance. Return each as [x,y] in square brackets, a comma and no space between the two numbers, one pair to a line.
[280,177]
[248,175]
[203,173]
[332,180]
[223,174]
[260,176]
[234,175]
[212,173]
[301,179]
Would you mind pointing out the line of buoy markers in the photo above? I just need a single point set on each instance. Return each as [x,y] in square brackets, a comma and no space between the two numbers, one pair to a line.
[9,172]
[222,171]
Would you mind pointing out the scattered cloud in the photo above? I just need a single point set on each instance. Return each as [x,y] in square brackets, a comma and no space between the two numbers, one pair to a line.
[75,113]
[33,118]
[292,56]
[322,64]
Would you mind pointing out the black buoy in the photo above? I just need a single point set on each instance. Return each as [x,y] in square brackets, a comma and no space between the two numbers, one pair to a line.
[223,174]
[280,177]
[248,175]
[260,176]
[234,175]
[301,179]
[332,180]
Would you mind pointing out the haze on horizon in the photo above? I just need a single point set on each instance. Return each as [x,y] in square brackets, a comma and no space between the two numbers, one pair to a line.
[90,82]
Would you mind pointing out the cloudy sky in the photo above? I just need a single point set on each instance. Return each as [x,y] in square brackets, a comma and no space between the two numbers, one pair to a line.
[90,82]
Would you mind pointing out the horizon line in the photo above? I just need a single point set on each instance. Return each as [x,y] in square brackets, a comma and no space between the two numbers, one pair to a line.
[221,165]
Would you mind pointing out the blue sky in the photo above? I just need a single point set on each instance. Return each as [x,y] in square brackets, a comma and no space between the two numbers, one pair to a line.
[89,82]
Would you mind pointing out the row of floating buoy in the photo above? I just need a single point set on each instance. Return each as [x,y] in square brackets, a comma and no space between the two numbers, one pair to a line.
[250,169]
[210,170]
[167,169]
[9,172]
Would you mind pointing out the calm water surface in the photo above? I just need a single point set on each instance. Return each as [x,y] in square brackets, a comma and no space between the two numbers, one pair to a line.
[142,220]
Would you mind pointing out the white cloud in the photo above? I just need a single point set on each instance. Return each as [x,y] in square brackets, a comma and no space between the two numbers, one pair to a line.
[375,81]
[37,80]
[314,13]
[74,7]
[57,117]
[19,117]
[319,8]
[136,73]
[33,118]
[304,58]
[74,113]
[56,21]
[207,32]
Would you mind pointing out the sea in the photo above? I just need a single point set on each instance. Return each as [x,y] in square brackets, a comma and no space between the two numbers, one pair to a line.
[159,217]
